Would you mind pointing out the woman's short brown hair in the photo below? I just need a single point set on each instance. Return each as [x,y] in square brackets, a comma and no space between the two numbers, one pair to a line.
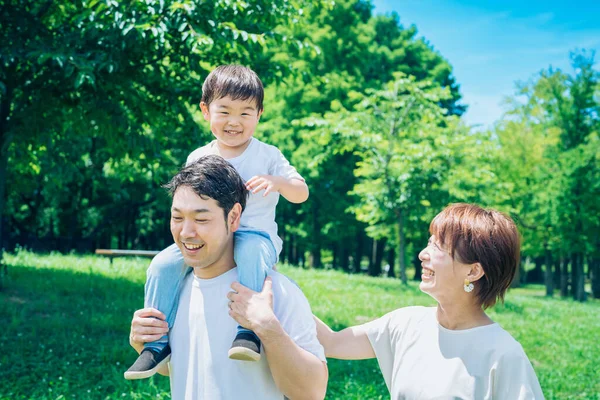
[475,235]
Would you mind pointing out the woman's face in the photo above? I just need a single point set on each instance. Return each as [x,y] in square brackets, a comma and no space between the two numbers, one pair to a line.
[442,276]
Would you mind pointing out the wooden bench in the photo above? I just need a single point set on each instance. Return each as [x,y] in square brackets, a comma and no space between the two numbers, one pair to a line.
[112,253]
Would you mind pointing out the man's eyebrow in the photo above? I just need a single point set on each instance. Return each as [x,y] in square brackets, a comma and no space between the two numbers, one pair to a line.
[199,210]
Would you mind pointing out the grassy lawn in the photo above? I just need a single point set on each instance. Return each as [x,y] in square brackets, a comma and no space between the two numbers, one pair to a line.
[67,325]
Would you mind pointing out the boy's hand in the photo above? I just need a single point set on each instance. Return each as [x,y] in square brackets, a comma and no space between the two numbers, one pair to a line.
[267,182]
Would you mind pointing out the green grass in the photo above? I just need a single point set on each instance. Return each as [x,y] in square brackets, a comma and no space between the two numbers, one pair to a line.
[66,326]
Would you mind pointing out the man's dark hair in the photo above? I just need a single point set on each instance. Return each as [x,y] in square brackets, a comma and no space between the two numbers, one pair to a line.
[212,177]
[235,81]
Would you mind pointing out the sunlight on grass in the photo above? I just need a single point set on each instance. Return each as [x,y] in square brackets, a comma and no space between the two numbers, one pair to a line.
[67,325]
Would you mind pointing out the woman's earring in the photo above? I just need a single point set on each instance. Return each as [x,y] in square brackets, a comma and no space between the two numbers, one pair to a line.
[468,286]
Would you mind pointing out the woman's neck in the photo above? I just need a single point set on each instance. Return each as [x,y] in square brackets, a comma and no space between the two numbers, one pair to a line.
[462,316]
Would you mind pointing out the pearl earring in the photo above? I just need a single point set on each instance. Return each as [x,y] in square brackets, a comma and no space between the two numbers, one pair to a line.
[468,286]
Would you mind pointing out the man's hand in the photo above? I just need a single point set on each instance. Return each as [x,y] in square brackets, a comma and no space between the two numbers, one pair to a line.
[252,310]
[147,325]
[268,183]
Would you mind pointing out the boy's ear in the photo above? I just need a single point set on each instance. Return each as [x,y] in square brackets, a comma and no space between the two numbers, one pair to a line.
[260,113]
[205,112]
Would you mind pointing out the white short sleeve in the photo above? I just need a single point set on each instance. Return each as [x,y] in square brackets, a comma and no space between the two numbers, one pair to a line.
[294,313]
[516,379]
[378,332]
[385,336]
[282,167]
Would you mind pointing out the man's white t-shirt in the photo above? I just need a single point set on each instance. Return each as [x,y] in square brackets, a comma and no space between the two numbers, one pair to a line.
[258,159]
[420,359]
[203,333]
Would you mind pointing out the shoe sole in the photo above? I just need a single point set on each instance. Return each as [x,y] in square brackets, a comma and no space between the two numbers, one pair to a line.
[146,374]
[243,354]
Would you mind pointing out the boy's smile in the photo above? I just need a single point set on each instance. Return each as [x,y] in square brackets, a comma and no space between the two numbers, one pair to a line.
[233,123]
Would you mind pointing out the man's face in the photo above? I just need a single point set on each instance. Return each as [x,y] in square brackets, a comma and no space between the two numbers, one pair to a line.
[233,122]
[200,231]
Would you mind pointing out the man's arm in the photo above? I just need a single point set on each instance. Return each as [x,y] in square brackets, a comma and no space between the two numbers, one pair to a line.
[148,325]
[297,373]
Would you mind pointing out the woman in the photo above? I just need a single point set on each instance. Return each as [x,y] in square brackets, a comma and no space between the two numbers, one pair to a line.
[453,350]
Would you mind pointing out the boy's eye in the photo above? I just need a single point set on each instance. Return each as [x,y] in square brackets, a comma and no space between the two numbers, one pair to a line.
[174,218]
[224,112]
[201,221]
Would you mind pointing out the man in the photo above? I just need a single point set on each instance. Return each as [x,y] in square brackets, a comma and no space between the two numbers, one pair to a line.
[208,199]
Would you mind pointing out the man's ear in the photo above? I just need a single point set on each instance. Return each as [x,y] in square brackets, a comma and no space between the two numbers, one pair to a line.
[205,112]
[234,217]
[476,272]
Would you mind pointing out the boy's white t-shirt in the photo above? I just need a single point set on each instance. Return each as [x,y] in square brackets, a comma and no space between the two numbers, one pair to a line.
[203,332]
[258,159]
[420,359]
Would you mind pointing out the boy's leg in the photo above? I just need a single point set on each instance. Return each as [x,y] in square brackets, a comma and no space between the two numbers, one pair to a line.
[254,255]
[163,283]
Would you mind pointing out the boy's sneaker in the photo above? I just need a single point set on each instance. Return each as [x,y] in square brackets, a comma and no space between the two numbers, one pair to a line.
[245,347]
[148,363]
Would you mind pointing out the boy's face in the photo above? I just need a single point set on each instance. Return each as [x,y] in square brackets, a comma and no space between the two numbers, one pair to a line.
[232,121]
[201,233]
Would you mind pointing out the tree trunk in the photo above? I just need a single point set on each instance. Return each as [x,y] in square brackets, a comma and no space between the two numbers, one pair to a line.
[579,279]
[518,274]
[549,275]
[315,248]
[293,254]
[315,256]
[595,271]
[573,274]
[335,251]
[371,254]
[537,274]
[391,260]
[564,277]
[358,253]
[3,164]
[377,257]
[5,139]
[401,244]
[301,255]
[418,268]
[557,265]
[345,261]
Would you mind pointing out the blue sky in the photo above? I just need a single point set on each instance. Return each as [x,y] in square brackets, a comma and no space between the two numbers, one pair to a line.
[493,44]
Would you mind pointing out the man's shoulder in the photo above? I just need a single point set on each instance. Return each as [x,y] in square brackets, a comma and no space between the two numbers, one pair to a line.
[286,289]
[283,282]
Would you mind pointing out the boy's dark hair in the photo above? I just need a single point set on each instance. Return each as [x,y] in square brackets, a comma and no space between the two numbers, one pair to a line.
[212,176]
[235,81]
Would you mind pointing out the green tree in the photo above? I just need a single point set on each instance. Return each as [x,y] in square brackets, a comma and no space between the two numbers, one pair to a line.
[114,79]
[549,163]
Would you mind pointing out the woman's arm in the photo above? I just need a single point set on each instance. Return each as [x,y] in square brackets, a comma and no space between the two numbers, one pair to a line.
[349,344]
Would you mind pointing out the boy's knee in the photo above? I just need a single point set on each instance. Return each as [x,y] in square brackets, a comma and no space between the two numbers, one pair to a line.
[168,259]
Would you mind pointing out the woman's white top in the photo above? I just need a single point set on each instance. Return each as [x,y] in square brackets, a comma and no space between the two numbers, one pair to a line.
[420,359]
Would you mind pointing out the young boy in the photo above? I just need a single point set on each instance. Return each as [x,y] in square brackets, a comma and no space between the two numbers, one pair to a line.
[232,101]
